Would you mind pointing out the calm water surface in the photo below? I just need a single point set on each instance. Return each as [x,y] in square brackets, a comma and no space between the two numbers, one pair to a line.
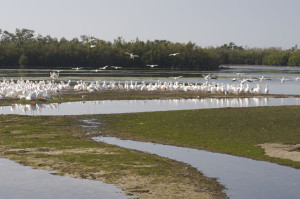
[132,106]
[23,182]
[244,178]
[224,75]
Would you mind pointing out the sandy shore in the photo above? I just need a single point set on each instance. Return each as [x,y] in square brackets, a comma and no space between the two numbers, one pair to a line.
[282,151]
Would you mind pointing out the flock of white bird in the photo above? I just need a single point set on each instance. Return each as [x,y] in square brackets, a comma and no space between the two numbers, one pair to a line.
[31,90]
[206,87]
[132,56]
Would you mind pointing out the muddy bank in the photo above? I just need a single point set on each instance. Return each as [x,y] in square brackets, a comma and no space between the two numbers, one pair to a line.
[285,151]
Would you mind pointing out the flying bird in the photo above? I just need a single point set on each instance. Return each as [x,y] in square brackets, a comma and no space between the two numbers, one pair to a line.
[93,46]
[116,67]
[208,77]
[173,54]
[177,77]
[77,68]
[152,65]
[103,68]
[131,55]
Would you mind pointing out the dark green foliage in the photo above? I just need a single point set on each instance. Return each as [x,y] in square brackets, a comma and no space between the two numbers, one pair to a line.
[294,58]
[25,48]
[23,60]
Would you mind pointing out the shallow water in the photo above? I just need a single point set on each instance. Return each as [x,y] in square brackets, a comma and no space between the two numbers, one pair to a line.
[17,181]
[224,75]
[132,106]
[244,178]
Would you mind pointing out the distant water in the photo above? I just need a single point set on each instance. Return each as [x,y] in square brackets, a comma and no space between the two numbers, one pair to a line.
[23,182]
[224,75]
[131,106]
[244,178]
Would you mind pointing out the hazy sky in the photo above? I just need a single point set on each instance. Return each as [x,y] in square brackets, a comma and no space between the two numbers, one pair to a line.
[252,23]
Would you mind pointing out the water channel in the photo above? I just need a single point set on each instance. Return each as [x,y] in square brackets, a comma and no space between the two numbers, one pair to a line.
[19,181]
[244,178]
[132,106]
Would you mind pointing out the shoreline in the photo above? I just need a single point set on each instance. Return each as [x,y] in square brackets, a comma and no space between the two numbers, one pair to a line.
[71,96]
[71,152]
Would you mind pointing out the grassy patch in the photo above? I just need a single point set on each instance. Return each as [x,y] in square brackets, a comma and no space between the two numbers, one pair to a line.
[235,131]
[60,144]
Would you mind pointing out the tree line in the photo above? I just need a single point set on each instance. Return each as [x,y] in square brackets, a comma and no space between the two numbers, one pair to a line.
[25,48]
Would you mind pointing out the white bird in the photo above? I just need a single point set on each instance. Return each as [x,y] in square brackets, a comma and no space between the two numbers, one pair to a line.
[103,68]
[262,78]
[116,67]
[239,74]
[93,46]
[249,80]
[267,89]
[152,65]
[234,79]
[77,68]
[131,55]
[54,75]
[173,54]
[176,77]
[208,77]
[257,90]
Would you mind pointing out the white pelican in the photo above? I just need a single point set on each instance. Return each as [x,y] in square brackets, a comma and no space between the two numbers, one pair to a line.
[54,75]
[267,89]
[131,55]
[208,77]
[152,65]
[93,46]
[257,90]
[174,54]
[103,68]
[116,67]
[176,77]
[77,68]
[262,78]
[239,74]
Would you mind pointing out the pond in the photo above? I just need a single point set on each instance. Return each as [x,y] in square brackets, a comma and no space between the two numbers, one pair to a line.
[244,178]
[132,106]
[19,181]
